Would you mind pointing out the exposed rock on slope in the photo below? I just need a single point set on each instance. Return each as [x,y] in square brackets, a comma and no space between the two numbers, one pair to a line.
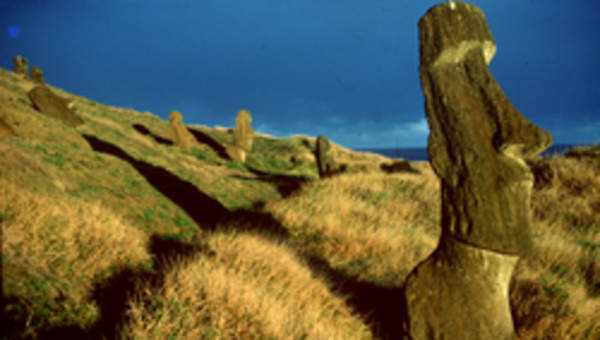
[54,106]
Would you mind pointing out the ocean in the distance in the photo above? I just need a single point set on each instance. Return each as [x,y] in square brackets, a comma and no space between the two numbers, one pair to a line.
[420,154]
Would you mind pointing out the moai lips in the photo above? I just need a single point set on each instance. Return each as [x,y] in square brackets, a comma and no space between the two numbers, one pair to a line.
[477,145]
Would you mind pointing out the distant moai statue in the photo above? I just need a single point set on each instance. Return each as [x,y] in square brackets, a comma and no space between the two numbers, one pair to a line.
[243,136]
[21,66]
[37,75]
[325,164]
[179,134]
[477,146]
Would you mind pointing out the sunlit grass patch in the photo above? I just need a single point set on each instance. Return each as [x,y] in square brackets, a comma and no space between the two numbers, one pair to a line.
[54,248]
[361,223]
[248,287]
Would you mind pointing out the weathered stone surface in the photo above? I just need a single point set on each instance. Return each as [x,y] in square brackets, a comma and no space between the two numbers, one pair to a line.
[325,164]
[5,129]
[21,66]
[460,292]
[179,133]
[54,106]
[398,166]
[37,75]
[477,145]
[478,139]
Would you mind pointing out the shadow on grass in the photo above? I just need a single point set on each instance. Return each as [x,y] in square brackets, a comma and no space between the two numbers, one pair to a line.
[203,209]
[203,138]
[286,185]
[144,131]
[383,308]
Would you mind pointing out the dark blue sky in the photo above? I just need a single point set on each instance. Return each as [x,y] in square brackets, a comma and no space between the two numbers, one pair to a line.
[343,68]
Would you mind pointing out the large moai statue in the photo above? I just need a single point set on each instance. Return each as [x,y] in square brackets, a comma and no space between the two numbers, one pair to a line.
[325,164]
[21,66]
[179,133]
[477,146]
[37,75]
[243,136]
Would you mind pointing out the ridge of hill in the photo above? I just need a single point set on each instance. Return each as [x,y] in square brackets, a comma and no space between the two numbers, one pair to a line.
[109,231]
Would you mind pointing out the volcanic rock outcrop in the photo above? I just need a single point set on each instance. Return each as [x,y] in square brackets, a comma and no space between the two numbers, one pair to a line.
[21,66]
[179,133]
[325,164]
[477,146]
[243,137]
[54,106]
[37,75]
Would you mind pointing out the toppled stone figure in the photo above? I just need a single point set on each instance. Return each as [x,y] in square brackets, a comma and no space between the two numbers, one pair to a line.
[243,137]
[54,106]
[179,133]
[21,66]
[37,75]
[477,146]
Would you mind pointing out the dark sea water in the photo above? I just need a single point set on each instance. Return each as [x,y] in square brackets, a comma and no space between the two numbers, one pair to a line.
[420,154]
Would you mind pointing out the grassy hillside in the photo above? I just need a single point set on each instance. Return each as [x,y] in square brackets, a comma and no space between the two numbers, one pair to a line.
[109,231]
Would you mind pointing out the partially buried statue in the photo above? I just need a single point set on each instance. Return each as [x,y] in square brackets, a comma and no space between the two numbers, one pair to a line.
[243,136]
[180,135]
[477,146]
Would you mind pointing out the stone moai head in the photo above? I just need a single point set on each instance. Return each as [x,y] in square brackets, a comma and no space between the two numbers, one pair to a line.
[37,75]
[242,132]
[175,117]
[21,66]
[325,163]
[478,140]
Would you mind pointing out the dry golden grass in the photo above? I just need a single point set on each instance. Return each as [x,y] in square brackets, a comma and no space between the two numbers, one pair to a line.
[556,292]
[73,217]
[246,287]
[62,245]
[360,223]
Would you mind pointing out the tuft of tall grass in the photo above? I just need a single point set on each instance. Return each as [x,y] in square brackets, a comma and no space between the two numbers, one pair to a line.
[54,249]
[247,287]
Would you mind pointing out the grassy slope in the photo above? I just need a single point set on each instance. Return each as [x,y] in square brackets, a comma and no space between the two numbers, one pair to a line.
[109,231]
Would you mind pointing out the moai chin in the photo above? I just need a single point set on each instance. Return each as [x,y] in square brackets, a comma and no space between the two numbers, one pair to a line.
[477,145]
[325,163]
[21,66]
[37,75]
[179,134]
